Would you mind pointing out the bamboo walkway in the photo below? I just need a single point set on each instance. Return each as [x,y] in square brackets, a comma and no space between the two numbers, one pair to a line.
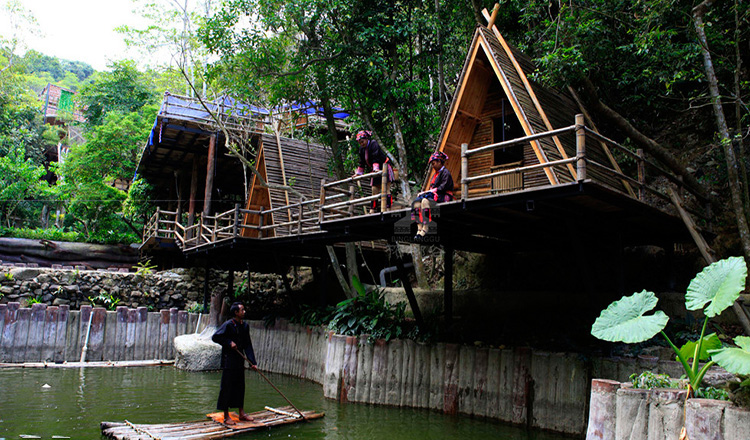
[210,428]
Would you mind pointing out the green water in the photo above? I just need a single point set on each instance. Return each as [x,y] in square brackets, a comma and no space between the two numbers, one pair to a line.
[77,400]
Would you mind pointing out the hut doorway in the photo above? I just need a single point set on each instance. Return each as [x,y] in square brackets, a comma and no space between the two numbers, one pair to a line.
[504,128]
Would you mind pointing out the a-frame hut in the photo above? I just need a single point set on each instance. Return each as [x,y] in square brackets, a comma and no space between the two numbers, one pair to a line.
[496,101]
[284,162]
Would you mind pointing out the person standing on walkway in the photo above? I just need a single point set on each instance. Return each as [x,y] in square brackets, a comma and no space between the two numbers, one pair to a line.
[234,338]
[371,155]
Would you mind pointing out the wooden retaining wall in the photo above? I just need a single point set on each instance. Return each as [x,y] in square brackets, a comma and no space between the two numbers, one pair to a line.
[521,386]
[57,334]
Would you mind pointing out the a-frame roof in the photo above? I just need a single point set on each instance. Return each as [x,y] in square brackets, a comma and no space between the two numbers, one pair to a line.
[284,161]
[491,59]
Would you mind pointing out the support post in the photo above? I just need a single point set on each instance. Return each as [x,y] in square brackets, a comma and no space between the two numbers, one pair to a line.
[404,276]
[464,172]
[230,284]
[260,223]
[210,171]
[300,213]
[206,293]
[178,185]
[383,187]
[641,174]
[580,148]
[236,223]
[351,197]
[448,285]
[322,199]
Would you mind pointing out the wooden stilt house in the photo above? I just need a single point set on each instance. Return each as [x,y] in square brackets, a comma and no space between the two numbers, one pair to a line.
[284,162]
[496,102]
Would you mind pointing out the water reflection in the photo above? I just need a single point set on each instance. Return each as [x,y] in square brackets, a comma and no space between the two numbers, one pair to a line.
[78,400]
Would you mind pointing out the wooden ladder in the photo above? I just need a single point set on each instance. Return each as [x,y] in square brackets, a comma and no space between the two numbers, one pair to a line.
[741,310]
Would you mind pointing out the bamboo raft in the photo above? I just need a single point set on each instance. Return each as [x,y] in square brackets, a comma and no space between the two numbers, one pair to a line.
[210,428]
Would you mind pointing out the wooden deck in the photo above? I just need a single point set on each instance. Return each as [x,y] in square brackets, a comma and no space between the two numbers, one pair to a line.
[209,428]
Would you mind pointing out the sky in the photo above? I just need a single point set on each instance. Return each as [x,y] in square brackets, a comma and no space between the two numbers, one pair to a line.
[80,30]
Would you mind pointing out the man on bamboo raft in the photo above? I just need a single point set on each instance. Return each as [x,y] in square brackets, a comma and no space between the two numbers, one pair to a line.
[234,338]
[371,155]
[441,190]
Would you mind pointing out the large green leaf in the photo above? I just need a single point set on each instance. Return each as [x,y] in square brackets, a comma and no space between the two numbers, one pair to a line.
[734,360]
[710,342]
[358,286]
[624,320]
[719,285]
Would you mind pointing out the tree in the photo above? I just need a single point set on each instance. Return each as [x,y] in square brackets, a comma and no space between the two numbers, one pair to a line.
[20,184]
[124,89]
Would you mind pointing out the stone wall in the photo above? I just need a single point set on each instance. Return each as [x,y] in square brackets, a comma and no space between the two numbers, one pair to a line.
[180,288]
[619,412]
[57,334]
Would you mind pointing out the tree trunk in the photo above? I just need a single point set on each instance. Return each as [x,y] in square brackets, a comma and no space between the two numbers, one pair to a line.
[733,177]
[650,145]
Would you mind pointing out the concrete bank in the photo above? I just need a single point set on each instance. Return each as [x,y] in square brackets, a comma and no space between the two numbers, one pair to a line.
[57,334]
[618,412]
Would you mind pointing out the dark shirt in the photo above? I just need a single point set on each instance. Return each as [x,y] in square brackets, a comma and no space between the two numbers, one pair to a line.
[371,154]
[228,332]
[443,182]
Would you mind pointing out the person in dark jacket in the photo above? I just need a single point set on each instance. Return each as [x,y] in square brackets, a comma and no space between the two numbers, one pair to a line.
[234,338]
[441,190]
[372,156]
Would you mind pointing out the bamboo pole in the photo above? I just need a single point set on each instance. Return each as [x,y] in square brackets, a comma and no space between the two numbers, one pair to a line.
[580,148]
[464,172]
[383,187]
[322,200]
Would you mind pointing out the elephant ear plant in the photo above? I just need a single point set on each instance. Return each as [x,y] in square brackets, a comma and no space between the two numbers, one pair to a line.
[717,287]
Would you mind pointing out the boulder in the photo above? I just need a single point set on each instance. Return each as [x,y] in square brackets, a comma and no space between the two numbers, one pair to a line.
[24,273]
[197,352]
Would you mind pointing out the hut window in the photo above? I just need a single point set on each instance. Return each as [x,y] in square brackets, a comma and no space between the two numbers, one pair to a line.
[506,128]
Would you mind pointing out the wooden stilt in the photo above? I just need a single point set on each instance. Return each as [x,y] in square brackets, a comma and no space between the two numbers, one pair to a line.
[448,285]
[193,196]
[210,172]
[404,276]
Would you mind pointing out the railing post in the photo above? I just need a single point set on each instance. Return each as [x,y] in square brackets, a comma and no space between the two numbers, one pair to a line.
[351,197]
[236,219]
[215,228]
[156,228]
[260,223]
[383,187]
[641,174]
[299,218]
[322,200]
[199,235]
[580,148]
[464,172]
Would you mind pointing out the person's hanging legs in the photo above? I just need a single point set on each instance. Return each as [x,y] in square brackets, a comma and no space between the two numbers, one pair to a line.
[374,206]
[426,206]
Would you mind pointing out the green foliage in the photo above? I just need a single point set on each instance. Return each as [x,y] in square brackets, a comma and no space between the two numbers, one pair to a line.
[717,285]
[367,313]
[40,234]
[734,359]
[712,393]
[8,276]
[648,380]
[32,301]
[195,308]
[624,320]
[21,185]
[106,300]
[144,267]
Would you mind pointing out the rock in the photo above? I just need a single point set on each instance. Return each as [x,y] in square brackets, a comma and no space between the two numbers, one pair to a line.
[47,298]
[196,352]
[718,377]
[25,273]
[60,302]
[6,290]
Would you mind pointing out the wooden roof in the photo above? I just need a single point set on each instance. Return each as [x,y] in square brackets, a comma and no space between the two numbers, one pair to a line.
[491,61]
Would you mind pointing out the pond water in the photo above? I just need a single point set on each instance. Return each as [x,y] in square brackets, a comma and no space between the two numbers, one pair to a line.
[78,399]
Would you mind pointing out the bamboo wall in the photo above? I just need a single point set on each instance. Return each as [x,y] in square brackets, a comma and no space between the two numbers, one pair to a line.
[57,334]
[520,386]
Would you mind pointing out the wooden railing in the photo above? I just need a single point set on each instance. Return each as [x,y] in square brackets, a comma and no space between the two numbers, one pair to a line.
[354,197]
[583,161]
[346,198]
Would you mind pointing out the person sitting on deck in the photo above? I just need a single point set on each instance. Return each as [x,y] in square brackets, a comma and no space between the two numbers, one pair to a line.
[234,338]
[441,190]
[371,155]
